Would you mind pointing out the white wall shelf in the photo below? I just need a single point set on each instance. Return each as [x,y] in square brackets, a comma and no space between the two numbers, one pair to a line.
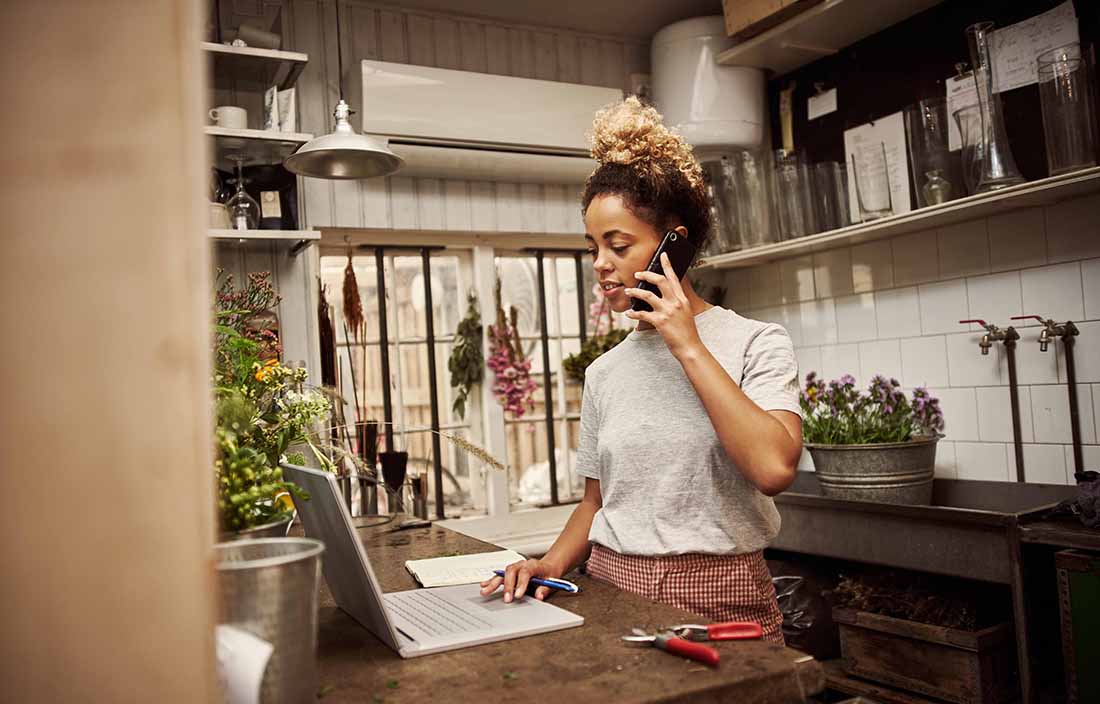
[245,63]
[821,30]
[257,146]
[298,239]
[1027,195]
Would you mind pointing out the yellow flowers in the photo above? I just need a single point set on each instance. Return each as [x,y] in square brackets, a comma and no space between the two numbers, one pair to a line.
[265,370]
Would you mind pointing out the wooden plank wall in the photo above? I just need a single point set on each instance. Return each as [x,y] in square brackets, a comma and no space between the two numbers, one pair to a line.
[390,33]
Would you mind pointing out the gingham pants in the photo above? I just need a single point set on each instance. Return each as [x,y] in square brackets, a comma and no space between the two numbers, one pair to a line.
[716,587]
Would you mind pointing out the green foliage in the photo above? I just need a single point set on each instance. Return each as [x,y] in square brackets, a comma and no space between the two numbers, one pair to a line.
[593,347]
[467,363]
[261,407]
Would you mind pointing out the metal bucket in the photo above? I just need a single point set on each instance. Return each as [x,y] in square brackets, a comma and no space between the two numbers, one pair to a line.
[888,472]
[269,588]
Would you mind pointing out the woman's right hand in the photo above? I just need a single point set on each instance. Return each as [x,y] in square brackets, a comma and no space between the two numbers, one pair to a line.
[516,578]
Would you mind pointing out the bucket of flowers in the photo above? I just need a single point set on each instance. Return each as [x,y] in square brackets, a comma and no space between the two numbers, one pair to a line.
[877,445]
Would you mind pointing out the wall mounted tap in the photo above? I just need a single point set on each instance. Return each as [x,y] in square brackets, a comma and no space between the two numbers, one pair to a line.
[1067,331]
[993,334]
[1008,336]
[1050,329]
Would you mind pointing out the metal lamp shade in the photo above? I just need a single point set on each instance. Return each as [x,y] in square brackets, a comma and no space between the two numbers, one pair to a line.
[343,154]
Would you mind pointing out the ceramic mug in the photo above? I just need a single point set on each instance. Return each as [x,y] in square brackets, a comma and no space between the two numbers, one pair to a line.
[230,116]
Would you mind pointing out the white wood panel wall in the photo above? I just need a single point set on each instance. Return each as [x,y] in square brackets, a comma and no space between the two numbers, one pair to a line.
[390,33]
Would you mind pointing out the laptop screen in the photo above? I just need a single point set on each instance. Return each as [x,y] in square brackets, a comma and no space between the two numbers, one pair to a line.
[345,563]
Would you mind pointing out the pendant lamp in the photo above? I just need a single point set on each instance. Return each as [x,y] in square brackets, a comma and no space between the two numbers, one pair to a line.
[343,154]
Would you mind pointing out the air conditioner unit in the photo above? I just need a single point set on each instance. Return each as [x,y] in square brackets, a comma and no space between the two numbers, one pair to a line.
[477,126]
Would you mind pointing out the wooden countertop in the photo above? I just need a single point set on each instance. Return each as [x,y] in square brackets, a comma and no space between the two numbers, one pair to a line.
[585,664]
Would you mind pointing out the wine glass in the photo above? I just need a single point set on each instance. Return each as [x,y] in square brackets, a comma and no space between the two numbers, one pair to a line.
[244,211]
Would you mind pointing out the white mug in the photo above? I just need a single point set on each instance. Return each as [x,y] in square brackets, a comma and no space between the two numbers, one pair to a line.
[230,116]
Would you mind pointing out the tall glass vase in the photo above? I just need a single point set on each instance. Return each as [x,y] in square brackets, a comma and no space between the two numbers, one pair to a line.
[998,167]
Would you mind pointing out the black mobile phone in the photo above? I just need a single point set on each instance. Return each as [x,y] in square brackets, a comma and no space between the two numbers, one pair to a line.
[681,252]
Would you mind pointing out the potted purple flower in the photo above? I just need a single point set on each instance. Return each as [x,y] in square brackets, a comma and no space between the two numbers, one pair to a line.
[876,445]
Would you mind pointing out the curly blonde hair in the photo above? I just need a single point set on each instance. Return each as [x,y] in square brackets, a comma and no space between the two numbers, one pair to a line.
[633,134]
[649,166]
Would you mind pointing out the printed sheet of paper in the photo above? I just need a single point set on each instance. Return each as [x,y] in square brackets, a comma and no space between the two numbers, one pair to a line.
[890,132]
[961,92]
[1019,44]
[460,569]
[821,104]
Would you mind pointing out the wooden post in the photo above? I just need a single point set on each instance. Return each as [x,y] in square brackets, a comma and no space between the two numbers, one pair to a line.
[108,590]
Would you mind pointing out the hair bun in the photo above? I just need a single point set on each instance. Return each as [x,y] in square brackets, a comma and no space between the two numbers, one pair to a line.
[633,134]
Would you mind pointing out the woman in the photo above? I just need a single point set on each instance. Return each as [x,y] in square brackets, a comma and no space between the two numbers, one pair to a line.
[688,426]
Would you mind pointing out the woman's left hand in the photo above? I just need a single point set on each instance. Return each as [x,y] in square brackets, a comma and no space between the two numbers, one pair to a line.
[671,314]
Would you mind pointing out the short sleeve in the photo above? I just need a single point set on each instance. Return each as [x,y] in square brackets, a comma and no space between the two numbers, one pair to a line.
[588,460]
[770,376]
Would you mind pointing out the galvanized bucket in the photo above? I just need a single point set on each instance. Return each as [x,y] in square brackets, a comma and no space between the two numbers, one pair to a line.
[269,588]
[887,472]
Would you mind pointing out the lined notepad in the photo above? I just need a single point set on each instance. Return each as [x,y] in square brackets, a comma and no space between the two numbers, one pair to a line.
[460,569]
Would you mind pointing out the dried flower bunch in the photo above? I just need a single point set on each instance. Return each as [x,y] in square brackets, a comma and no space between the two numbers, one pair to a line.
[836,413]
[604,337]
[466,364]
[513,385]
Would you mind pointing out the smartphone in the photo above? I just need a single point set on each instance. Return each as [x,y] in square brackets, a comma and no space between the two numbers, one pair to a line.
[681,253]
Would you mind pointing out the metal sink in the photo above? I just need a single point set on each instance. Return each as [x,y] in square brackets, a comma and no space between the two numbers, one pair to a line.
[968,531]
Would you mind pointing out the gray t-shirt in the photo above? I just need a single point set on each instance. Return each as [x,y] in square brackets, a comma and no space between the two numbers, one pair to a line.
[668,485]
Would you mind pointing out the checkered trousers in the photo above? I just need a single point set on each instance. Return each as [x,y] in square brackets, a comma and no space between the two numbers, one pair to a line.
[716,587]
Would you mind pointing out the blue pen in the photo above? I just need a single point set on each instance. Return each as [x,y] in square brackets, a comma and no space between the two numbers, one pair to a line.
[562,584]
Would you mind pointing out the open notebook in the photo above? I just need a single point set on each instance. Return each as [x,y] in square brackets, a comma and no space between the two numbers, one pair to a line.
[460,569]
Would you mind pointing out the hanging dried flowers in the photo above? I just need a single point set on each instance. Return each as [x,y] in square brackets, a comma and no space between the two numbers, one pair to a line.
[605,336]
[467,364]
[513,386]
[353,307]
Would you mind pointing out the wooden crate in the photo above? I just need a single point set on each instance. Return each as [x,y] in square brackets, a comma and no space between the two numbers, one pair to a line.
[1079,608]
[747,18]
[966,667]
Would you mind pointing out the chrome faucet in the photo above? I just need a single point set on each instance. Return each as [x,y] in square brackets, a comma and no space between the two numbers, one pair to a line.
[1050,329]
[993,334]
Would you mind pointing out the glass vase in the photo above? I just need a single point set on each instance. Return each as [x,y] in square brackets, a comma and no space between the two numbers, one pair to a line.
[1065,94]
[998,166]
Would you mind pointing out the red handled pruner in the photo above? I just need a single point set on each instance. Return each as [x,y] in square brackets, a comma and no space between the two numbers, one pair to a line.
[730,630]
[669,642]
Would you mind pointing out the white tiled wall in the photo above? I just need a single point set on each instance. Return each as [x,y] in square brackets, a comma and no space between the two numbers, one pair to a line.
[893,307]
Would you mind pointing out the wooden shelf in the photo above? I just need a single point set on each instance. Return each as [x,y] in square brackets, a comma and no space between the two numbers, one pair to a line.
[258,146]
[1035,193]
[265,67]
[821,30]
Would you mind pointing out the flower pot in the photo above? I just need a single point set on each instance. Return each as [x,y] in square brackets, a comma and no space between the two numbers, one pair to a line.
[965,667]
[888,472]
[275,529]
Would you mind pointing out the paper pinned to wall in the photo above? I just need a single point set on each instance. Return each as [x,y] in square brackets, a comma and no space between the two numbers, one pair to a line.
[1019,44]
[890,132]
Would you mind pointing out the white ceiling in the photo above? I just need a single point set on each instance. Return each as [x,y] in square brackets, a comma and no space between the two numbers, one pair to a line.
[639,19]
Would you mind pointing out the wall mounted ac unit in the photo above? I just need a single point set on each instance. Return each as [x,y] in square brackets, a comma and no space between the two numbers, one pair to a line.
[477,126]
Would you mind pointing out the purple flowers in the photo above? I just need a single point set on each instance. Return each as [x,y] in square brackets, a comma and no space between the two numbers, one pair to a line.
[836,413]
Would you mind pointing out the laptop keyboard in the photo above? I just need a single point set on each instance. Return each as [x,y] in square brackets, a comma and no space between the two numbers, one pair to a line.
[433,614]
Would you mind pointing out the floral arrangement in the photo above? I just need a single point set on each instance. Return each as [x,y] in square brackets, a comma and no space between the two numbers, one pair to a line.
[263,408]
[513,385]
[466,363]
[604,337]
[836,413]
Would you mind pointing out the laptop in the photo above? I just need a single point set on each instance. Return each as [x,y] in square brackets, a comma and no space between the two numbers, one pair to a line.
[419,621]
